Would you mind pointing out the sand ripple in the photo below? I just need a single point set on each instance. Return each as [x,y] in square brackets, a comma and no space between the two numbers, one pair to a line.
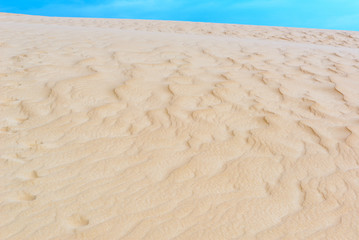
[123,129]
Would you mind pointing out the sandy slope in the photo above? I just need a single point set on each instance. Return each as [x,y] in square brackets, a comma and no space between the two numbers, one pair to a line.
[124,129]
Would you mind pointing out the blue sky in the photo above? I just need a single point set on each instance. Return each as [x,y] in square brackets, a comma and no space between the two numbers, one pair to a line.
[329,14]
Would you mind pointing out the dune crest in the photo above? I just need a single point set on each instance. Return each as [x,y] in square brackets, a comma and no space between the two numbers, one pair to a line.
[130,129]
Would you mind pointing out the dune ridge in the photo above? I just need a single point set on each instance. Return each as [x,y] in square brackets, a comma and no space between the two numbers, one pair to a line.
[133,129]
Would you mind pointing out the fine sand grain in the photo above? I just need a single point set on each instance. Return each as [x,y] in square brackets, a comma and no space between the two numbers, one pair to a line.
[130,129]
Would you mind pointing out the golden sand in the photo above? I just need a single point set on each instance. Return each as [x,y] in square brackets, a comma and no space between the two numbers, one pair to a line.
[129,129]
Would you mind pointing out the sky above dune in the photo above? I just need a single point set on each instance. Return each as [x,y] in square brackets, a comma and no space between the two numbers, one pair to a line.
[327,14]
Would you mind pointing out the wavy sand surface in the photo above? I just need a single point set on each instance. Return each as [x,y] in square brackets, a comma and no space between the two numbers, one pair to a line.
[128,129]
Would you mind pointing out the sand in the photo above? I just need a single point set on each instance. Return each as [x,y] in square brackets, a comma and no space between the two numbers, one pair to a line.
[130,129]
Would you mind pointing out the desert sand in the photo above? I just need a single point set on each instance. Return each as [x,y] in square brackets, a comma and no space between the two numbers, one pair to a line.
[134,129]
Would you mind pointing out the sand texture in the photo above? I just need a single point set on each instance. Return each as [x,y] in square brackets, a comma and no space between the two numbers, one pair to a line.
[130,129]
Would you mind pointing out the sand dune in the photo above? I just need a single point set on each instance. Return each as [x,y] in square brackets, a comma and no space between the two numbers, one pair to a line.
[130,129]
